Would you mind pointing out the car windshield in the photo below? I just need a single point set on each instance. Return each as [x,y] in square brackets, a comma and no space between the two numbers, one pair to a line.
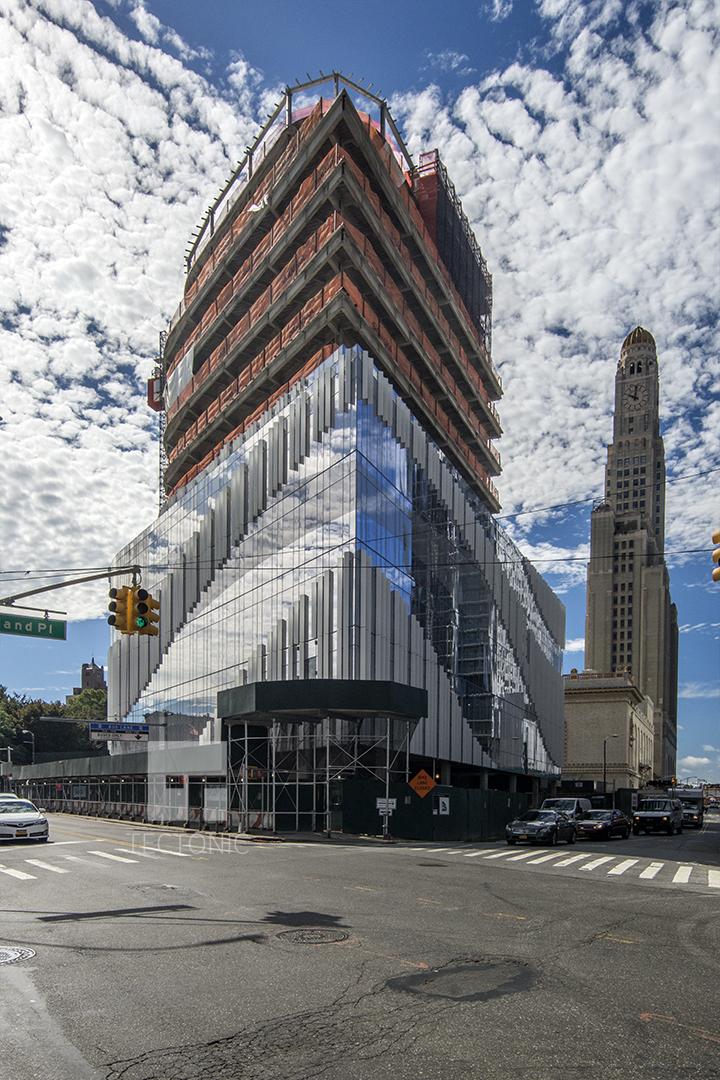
[596,815]
[17,806]
[560,804]
[655,804]
[689,804]
[537,815]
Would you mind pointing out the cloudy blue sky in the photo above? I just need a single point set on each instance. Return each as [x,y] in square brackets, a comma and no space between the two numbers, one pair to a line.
[583,138]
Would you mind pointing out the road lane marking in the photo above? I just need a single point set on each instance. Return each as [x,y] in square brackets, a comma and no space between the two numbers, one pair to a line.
[20,874]
[650,871]
[701,1033]
[547,858]
[571,860]
[143,854]
[714,879]
[498,855]
[177,854]
[502,915]
[64,843]
[108,855]
[47,866]
[422,900]
[474,854]
[598,862]
[682,874]
[525,855]
[622,867]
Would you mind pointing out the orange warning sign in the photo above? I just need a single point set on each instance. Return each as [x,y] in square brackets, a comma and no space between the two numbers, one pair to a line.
[422,783]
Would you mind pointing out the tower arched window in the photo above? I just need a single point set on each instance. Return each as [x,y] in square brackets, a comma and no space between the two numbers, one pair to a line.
[639,371]
[632,369]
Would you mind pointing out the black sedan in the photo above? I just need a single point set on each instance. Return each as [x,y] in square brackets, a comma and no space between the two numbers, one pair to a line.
[603,825]
[540,827]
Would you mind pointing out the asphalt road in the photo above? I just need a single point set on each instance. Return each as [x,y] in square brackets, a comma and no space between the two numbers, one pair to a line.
[152,954]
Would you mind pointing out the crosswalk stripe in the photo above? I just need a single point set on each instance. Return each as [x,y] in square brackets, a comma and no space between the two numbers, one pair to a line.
[622,867]
[597,862]
[555,855]
[142,854]
[47,866]
[682,874]
[572,859]
[107,855]
[525,855]
[650,871]
[474,854]
[498,855]
[176,854]
[20,874]
[714,879]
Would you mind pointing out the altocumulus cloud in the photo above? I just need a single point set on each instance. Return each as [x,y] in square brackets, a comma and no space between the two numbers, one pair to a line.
[592,189]
[110,151]
[593,193]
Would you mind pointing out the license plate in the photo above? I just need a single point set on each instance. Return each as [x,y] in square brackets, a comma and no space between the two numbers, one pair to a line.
[21,832]
[523,837]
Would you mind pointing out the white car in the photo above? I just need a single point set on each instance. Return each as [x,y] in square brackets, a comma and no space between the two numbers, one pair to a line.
[7,795]
[21,820]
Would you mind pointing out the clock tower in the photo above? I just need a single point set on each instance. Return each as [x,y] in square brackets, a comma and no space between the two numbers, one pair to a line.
[631,623]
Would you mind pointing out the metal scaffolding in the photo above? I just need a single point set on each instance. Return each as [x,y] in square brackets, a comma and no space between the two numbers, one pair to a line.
[280,777]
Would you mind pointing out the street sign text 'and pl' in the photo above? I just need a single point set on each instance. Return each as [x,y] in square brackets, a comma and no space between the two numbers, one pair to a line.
[27,627]
[120,732]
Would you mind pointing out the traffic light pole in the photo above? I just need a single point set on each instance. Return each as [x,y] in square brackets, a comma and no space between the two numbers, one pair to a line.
[8,601]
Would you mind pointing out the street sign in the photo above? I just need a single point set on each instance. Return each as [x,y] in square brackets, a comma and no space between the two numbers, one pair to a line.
[27,627]
[422,783]
[386,806]
[120,732]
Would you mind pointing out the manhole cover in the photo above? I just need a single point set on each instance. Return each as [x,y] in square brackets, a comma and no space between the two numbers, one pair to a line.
[9,955]
[469,982]
[315,936]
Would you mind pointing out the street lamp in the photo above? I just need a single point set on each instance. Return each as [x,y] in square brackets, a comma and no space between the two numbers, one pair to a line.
[605,761]
[26,732]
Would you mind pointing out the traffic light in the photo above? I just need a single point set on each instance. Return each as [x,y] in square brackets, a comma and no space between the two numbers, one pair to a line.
[144,612]
[716,555]
[120,607]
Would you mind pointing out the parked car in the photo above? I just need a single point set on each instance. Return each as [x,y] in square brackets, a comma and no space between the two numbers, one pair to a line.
[540,826]
[571,807]
[658,815]
[6,795]
[603,825]
[21,820]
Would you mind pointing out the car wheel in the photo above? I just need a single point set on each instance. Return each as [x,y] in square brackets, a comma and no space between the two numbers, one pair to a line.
[671,829]
[554,839]
[626,834]
[636,832]
[572,837]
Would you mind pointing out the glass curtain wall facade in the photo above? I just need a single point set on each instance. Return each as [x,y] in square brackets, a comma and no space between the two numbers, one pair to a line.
[333,539]
[328,399]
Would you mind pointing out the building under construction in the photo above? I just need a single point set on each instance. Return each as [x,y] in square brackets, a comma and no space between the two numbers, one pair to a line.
[338,603]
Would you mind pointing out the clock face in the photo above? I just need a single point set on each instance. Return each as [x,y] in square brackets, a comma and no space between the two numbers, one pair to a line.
[635,397]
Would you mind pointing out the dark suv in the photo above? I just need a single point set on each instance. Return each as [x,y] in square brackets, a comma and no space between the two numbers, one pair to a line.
[658,815]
